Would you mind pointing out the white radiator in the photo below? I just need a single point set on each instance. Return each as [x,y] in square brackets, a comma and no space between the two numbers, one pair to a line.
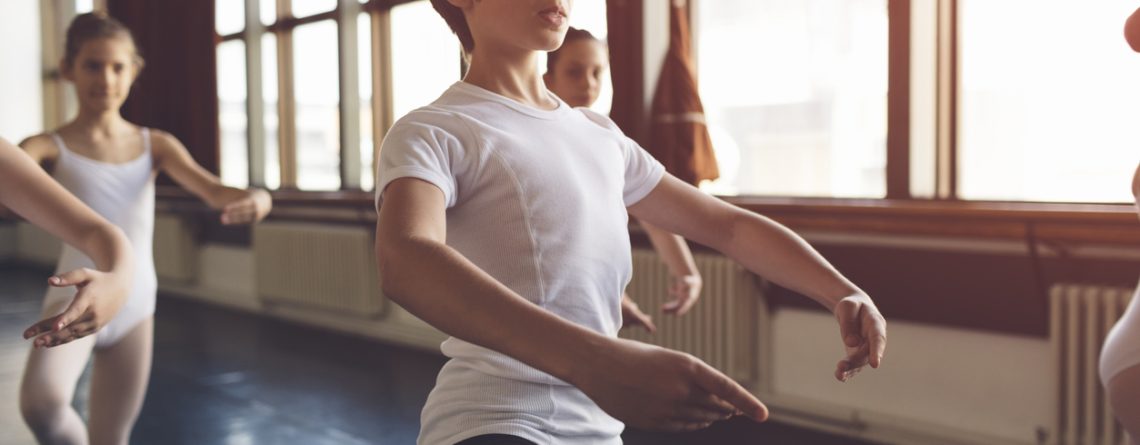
[1080,317]
[723,328]
[318,266]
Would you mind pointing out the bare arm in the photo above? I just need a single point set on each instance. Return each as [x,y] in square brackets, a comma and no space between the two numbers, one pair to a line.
[774,252]
[42,150]
[641,384]
[685,286]
[238,206]
[27,190]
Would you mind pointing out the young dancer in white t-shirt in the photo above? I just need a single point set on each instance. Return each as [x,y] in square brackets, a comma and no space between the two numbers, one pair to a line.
[502,222]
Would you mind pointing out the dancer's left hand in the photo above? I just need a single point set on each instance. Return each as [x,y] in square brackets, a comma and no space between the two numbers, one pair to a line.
[685,290]
[249,209]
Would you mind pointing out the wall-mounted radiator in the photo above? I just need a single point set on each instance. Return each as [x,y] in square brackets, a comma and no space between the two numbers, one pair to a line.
[1081,315]
[318,266]
[723,328]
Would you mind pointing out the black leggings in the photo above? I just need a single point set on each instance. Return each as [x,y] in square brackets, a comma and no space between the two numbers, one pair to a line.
[496,439]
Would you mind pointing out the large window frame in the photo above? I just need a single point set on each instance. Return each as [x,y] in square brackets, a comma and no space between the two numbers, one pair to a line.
[345,15]
[922,110]
[923,106]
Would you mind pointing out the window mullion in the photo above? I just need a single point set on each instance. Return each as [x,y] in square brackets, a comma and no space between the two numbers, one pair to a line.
[255,99]
[347,35]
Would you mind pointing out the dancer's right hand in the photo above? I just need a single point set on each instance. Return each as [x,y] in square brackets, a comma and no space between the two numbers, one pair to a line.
[654,388]
[98,297]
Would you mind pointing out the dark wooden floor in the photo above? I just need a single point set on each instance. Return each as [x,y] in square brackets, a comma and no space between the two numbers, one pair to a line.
[228,378]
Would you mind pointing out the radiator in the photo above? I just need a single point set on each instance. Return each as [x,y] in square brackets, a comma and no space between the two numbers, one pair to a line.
[1080,317]
[722,328]
[318,266]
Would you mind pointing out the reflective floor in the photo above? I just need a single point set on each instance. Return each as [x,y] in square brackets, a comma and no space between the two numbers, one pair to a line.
[229,378]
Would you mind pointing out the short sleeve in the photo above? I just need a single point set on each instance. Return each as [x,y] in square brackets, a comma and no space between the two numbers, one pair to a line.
[642,171]
[416,148]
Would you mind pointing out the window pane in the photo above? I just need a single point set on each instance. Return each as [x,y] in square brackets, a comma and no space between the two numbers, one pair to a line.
[232,116]
[269,93]
[229,16]
[803,111]
[268,12]
[590,15]
[425,56]
[1047,115]
[303,8]
[317,92]
[364,25]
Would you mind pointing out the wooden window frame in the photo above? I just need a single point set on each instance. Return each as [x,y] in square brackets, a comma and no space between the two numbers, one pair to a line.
[900,196]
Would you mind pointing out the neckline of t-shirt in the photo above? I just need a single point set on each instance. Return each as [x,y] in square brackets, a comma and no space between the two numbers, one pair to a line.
[514,104]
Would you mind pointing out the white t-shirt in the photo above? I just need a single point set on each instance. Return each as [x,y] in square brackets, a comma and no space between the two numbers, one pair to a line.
[537,199]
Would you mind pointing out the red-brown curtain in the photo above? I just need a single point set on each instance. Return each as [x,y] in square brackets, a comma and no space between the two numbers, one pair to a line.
[177,91]
[624,25]
[678,136]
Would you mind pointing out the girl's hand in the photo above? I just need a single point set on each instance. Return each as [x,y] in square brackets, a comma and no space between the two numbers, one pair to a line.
[98,298]
[632,315]
[249,209]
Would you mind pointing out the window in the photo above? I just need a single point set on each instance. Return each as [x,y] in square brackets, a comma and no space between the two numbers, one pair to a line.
[316,91]
[303,8]
[418,80]
[84,6]
[232,115]
[299,113]
[1047,115]
[801,112]
[367,143]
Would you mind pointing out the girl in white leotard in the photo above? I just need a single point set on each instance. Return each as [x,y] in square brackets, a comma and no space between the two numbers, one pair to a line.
[1120,358]
[111,165]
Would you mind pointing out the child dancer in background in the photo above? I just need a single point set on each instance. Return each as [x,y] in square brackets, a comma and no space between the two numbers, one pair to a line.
[1120,357]
[574,74]
[111,164]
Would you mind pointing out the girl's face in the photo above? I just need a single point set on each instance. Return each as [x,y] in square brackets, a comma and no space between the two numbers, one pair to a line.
[577,74]
[103,72]
[522,25]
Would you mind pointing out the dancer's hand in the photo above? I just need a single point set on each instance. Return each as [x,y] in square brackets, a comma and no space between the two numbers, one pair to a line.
[685,290]
[249,209]
[98,298]
[654,388]
[864,334]
[632,315]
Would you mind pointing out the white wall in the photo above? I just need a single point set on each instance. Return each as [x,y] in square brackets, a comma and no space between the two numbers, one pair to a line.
[21,84]
[991,385]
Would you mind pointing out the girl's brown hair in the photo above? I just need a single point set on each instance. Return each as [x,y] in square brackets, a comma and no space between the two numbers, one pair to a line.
[92,26]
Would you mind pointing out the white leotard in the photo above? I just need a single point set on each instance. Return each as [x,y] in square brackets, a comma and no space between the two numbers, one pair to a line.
[124,195]
[1122,347]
